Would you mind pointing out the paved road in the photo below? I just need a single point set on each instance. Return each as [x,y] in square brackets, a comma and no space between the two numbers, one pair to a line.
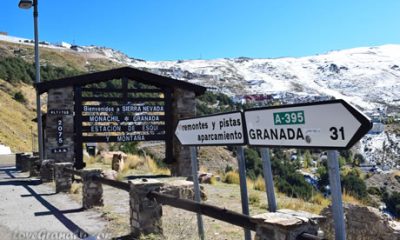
[30,210]
[7,160]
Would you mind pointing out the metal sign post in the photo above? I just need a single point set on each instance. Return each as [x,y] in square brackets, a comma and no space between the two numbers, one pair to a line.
[336,193]
[243,187]
[196,186]
[269,181]
[328,125]
[217,130]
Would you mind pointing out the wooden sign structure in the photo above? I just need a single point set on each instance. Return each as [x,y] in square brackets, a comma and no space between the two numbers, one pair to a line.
[118,105]
[125,114]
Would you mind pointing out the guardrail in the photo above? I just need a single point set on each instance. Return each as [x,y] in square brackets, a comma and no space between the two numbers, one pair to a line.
[158,198]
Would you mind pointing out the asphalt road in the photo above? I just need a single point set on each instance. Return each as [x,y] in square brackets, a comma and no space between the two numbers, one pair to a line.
[30,210]
[7,160]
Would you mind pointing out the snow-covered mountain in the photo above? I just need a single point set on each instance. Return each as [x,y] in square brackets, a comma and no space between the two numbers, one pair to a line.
[367,76]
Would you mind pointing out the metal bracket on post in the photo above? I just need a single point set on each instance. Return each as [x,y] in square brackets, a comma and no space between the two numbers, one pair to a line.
[196,187]
[269,181]
[243,187]
[336,193]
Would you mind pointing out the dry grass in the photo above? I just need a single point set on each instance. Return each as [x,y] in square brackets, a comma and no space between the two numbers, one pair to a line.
[213,180]
[259,184]
[299,204]
[319,199]
[254,199]
[16,125]
[350,199]
[232,177]
[132,162]
[76,188]
[155,169]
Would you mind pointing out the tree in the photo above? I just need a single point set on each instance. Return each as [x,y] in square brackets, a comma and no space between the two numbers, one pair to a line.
[354,186]
[392,202]
[307,159]
[253,163]
[358,159]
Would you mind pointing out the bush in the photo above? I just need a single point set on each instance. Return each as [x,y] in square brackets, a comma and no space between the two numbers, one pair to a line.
[19,97]
[228,168]
[129,147]
[15,70]
[259,184]
[288,180]
[393,203]
[254,166]
[254,199]
[354,186]
[232,178]
[358,159]
[374,191]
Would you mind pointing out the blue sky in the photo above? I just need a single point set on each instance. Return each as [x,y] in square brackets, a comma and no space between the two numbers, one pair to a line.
[206,29]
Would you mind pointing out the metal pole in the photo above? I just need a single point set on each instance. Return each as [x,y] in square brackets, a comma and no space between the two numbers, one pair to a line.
[243,187]
[196,186]
[336,193]
[269,181]
[37,80]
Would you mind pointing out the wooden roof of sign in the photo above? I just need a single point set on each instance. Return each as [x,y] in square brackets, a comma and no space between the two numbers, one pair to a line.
[124,72]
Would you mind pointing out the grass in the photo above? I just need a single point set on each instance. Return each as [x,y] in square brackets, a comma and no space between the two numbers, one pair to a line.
[259,184]
[299,204]
[16,125]
[76,188]
[347,198]
[254,199]
[133,164]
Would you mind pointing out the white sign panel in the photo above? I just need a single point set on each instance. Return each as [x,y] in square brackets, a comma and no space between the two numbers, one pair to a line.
[222,129]
[332,124]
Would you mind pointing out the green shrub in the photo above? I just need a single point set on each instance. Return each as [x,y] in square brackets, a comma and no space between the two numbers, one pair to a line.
[228,168]
[374,191]
[354,186]
[392,203]
[16,69]
[19,97]
[254,166]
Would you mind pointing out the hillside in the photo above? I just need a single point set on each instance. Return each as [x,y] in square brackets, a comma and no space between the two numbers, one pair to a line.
[16,126]
[367,77]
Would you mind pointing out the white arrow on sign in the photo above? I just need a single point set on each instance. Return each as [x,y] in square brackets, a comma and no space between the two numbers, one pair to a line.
[220,129]
[331,124]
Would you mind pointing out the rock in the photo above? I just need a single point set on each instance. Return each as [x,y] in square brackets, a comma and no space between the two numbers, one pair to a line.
[203,177]
[118,162]
[364,223]
[110,174]
[182,189]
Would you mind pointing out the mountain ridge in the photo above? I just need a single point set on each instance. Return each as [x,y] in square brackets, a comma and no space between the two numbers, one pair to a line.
[368,77]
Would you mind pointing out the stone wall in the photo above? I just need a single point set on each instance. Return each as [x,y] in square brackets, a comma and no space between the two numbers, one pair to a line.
[362,223]
[184,106]
[63,179]
[60,99]
[286,224]
[92,191]
[145,214]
